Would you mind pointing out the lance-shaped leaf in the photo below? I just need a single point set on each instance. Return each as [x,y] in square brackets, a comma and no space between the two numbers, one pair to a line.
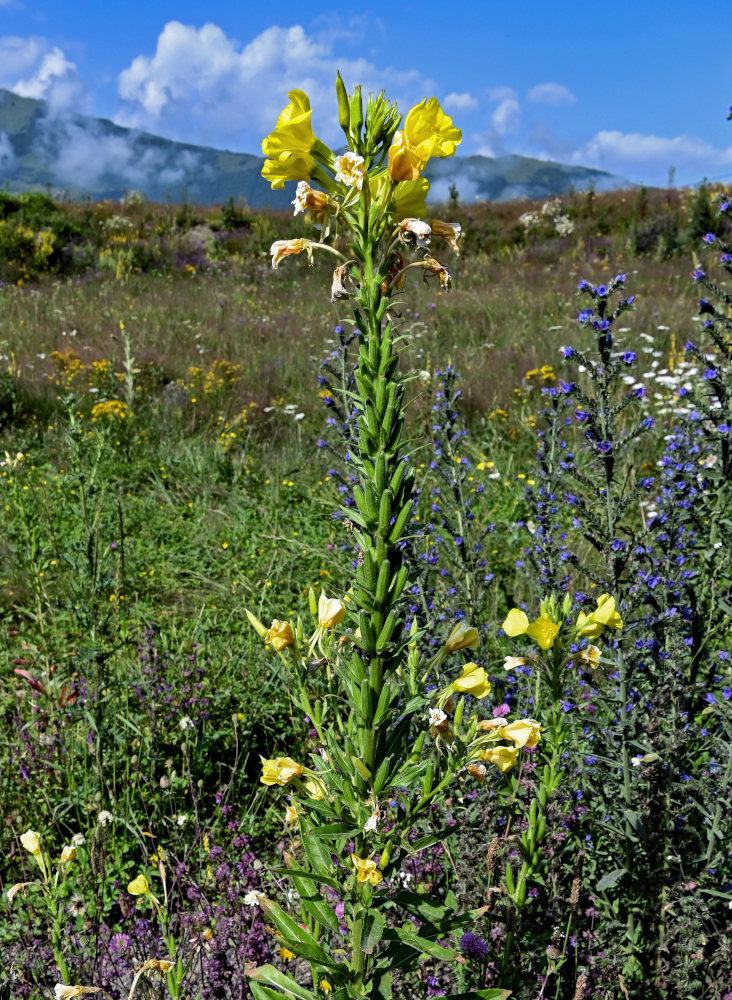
[267,975]
[298,939]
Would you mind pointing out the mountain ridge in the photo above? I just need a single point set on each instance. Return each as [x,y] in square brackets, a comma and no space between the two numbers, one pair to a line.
[88,157]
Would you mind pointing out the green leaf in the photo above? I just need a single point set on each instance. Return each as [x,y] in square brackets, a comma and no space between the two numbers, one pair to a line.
[316,854]
[611,878]
[268,975]
[303,874]
[372,930]
[494,994]
[296,937]
[422,906]
[339,830]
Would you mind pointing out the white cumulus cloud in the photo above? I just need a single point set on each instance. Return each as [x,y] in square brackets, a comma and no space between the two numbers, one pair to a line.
[633,155]
[33,67]
[507,117]
[200,85]
[460,102]
[550,93]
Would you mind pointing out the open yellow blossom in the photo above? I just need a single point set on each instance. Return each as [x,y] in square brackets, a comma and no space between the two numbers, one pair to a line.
[285,954]
[279,635]
[331,611]
[139,886]
[463,636]
[279,771]
[604,614]
[366,870]
[325,986]
[31,841]
[544,631]
[523,732]
[430,131]
[285,248]
[473,681]
[288,148]
[504,758]
[350,170]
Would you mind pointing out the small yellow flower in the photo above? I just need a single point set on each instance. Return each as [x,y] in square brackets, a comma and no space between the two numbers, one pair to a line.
[523,732]
[331,611]
[291,814]
[280,635]
[473,681]
[503,757]
[31,841]
[463,636]
[366,870]
[325,986]
[67,855]
[315,788]
[285,954]
[279,771]
[161,965]
[139,886]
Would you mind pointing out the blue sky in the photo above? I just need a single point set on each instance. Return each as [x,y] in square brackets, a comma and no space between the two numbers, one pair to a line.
[633,88]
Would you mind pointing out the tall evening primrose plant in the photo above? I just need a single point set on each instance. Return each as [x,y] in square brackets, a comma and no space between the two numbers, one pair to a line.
[382,736]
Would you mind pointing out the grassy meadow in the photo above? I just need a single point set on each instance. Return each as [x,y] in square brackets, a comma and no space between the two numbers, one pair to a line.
[172,416]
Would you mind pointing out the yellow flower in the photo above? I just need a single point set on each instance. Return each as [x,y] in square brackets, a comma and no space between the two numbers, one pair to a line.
[279,771]
[473,681]
[315,788]
[161,965]
[516,623]
[463,636]
[366,870]
[285,248]
[523,732]
[325,986]
[544,631]
[31,841]
[67,855]
[430,131]
[139,886]
[280,635]
[331,611]
[291,814]
[405,163]
[285,954]
[350,170]
[604,614]
[288,147]
[503,757]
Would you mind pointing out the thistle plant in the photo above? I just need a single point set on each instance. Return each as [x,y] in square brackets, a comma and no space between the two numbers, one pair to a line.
[382,734]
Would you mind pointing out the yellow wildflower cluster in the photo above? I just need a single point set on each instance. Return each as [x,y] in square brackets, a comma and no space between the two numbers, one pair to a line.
[538,376]
[111,409]
[215,380]
[522,733]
